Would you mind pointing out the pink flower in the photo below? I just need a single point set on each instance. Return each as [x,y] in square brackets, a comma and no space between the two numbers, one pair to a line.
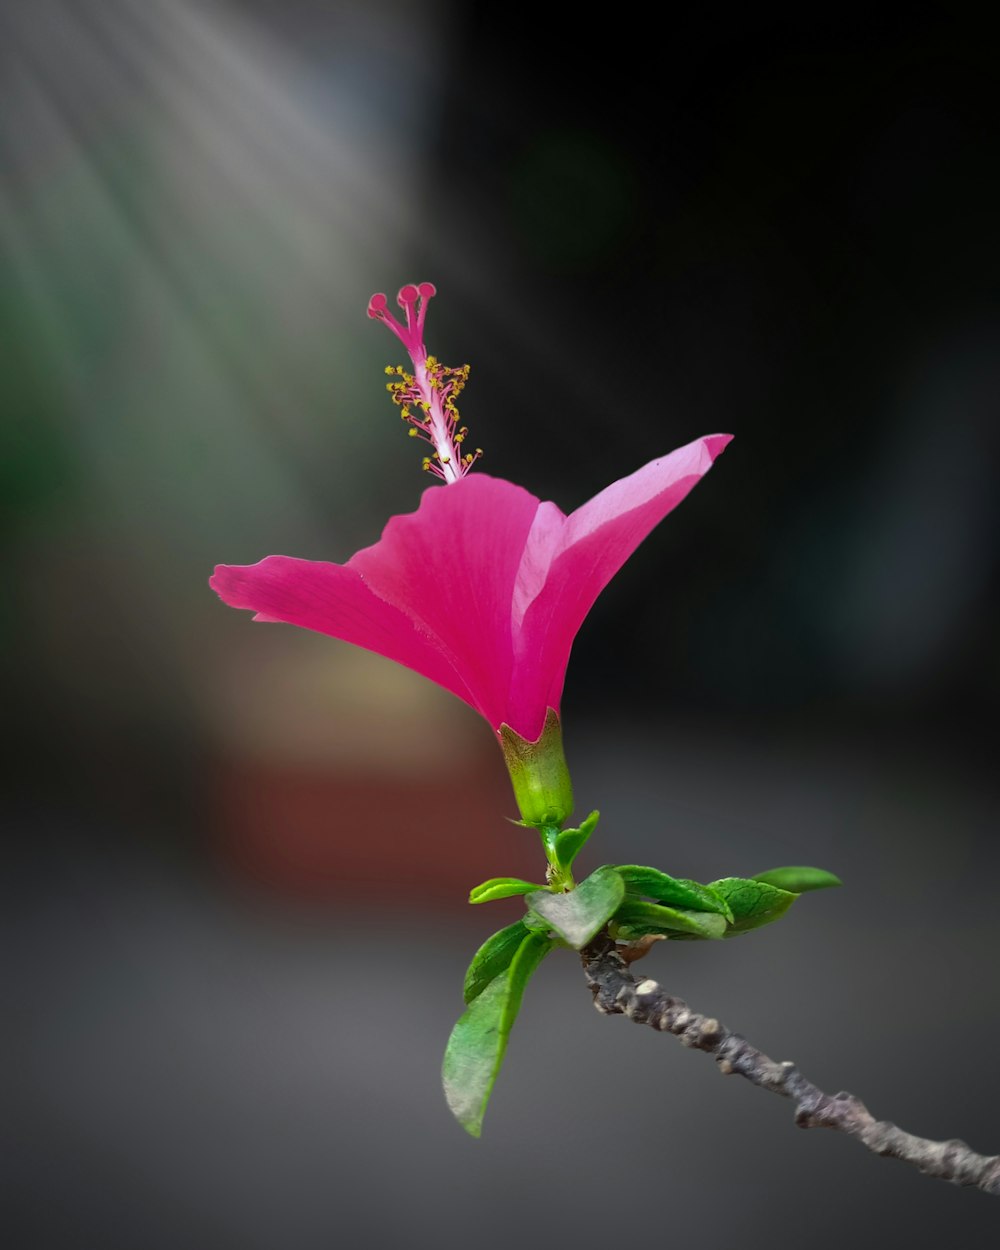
[484,587]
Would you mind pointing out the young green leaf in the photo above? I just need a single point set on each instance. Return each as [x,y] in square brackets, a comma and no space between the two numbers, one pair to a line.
[501,887]
[635,919]
[492,958]
[677,892]
[478,1041]
[571,842]
[753,903]
[798,879]
[577,915]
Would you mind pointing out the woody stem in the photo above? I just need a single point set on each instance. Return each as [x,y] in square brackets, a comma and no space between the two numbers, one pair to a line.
[616,992]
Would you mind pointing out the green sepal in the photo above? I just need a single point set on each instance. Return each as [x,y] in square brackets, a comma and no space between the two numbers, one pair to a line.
[571,842]
[577,915]
[798,878]
[674,891]
[538,773]
[501,887]
[753,903]
[492,958]
[478,1041]
[635,919]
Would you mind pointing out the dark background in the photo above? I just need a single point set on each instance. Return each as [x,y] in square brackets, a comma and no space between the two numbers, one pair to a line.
[239,855]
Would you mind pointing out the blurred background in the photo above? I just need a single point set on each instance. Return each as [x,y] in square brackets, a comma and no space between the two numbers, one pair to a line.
[238,855]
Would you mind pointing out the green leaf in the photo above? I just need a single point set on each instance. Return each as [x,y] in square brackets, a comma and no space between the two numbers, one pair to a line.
[635,919]
[577,915]
[501,887]
[677,892]
[478,1041]
[492,958]
[798,879]
[534,923]
[753,903]
[571,842]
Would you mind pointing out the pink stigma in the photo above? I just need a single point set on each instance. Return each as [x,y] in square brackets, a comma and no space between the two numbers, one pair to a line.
[413,301]
[376,305]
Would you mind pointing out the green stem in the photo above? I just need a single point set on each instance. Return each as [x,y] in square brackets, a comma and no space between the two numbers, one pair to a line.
[559,877]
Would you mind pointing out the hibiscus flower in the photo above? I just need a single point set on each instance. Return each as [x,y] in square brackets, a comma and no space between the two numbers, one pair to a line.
[484,587]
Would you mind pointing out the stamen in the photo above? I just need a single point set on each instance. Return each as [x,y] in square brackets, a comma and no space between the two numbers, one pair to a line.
[431,389]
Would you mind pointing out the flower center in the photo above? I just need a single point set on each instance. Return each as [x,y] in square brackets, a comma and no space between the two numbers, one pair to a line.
[426,397]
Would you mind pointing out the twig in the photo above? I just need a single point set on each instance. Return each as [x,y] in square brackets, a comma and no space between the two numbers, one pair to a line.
[616,992]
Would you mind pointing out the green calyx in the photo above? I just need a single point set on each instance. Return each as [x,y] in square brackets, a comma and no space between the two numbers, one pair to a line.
[539,775]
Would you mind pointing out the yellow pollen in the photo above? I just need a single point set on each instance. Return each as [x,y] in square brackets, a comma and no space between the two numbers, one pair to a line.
[441,385]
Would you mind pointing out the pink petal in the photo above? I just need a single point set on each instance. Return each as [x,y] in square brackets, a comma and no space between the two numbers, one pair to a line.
[452,567]
[542,545]
[332,599]
[594,543]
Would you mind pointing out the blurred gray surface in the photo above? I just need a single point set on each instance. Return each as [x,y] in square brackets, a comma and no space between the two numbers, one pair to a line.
[194,1065]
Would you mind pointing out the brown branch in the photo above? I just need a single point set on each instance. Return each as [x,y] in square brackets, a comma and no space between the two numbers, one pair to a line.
[616,992]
